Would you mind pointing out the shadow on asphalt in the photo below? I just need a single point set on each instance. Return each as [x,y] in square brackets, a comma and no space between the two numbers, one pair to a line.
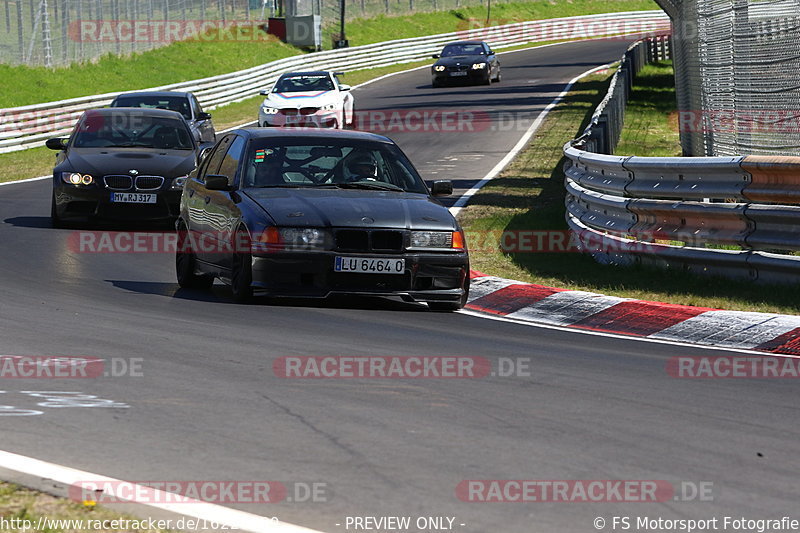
[29,222]
[220,294]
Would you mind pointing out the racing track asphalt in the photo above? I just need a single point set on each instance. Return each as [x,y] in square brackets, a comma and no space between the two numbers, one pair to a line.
[208,406]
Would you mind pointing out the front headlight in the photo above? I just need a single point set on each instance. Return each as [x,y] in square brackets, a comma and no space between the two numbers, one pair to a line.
[478,66]
[329,107]
[451,240]
[439,68]
[75,178]
[294,239]
[179,182]
[269,110]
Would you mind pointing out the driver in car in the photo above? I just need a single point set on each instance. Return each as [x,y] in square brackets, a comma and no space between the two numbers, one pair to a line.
[361,167]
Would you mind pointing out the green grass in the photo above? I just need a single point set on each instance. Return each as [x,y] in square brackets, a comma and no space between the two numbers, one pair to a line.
[186,60]
[200,58]
[24,504]
[529,195]
[39,161]
[375,29]
[651,120]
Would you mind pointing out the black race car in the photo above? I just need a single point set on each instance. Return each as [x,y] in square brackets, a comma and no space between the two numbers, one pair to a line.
[472,61]
[122,164]
[185,103]
[308,213]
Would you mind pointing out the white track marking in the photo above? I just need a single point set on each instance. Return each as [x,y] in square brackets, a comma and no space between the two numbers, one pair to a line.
[462,201]
[731,328]
[15,467]
[566,307]
[622,337]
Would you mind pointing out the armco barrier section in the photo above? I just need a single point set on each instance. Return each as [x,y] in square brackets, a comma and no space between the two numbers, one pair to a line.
[29,126]
[732,216]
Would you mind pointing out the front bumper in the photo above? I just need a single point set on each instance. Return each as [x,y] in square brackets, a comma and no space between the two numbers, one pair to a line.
[319,119]
[95,201]
[471,76]
[428,277]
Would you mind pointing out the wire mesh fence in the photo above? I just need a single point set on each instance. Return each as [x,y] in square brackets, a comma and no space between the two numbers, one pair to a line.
[737,65]
[54,33]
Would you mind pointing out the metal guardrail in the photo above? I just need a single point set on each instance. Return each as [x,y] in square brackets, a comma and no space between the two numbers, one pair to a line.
[635,209]
[29,126]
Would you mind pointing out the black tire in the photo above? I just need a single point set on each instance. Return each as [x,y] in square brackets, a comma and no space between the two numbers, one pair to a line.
[186,264]
[242,277]
[55,220]
[435,84]
[452,306]
[498,78]
[488,80]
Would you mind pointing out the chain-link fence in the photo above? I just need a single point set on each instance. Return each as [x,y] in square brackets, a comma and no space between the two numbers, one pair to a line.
[737,65]
[58,32]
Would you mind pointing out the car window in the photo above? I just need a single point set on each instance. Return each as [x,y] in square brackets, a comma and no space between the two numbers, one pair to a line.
[213,161]
[303,82]
[462,50]
[282,163]
[171,103]
[196,105]
[131,129]
[230,163]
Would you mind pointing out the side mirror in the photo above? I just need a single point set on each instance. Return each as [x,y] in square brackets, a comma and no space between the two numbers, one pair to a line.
[203,154]
[204,116]
[338,73]
[435,56]
[263,93]
[216,182]
[344,87]
[57,143]
[442,188]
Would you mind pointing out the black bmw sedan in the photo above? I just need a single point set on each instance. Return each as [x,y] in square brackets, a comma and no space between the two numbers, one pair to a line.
[185,103]
[472,61]
[122,164]
[309,214]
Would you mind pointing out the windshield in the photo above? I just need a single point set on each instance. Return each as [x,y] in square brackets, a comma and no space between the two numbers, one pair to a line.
[304,83]
[172,103]
[462,50]
[271,163]
[132,130]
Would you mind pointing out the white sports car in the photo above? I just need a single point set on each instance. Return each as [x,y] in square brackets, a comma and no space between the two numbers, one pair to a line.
[307,99]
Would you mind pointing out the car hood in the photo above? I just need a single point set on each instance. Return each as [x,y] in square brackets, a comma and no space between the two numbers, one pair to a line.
[454,61]
[301,99]
[148,162]
[352,208]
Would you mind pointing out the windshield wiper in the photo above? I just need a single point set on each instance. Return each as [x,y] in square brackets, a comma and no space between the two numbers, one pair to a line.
[378,186]
[128,145]
[296,186]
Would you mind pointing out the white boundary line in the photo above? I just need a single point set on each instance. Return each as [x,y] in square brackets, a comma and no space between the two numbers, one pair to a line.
[56,479]
[464,198]
[622,336]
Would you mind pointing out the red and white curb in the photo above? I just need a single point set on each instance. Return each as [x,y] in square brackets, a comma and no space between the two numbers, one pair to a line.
[764,332]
